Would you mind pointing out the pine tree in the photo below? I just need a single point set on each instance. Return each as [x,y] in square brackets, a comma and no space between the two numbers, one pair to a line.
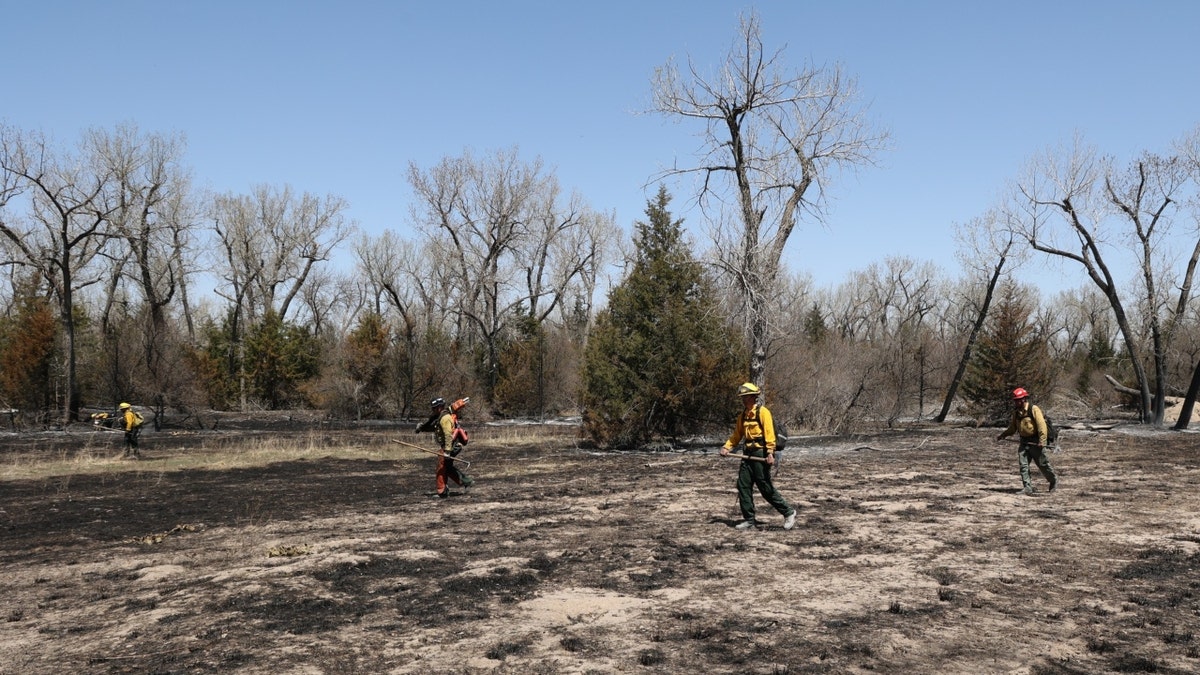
[27,348]
[365,361]
[659,358]
[1010,354]
[280,358]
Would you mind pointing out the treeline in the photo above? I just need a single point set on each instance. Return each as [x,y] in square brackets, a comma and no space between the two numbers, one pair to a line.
[103,248]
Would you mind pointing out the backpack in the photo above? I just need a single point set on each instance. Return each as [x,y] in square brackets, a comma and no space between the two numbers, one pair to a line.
[781,432]
[1051,430]
[138,420]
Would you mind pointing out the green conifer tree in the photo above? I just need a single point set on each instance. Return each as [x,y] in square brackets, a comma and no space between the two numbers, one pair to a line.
[280,358]
[1010,353]
[660,360]
[27,348]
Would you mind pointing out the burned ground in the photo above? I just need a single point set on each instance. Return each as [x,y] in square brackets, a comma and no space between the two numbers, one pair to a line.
[914,551]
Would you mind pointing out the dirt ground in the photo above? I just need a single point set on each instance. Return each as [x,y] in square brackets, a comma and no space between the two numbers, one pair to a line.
[914,552]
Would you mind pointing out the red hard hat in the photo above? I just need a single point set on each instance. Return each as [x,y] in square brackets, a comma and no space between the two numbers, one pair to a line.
[1019,394]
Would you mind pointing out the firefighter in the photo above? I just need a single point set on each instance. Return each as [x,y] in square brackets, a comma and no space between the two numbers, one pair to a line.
[755,426]
[1030,424]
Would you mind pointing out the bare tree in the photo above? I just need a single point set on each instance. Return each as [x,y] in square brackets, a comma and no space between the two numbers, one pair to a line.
[505,243]
[154,221]
[773,141]
[66,231]
[1189,150]
[400,288]
[1087,194]
[985,248]
[271,241]
[325,302]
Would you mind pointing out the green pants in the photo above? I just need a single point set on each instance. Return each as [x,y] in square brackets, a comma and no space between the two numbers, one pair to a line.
[758,474]
[1030,450]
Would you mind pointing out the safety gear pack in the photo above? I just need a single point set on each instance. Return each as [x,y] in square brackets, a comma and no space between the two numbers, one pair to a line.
[138,420]
[1051,430]
[781,432]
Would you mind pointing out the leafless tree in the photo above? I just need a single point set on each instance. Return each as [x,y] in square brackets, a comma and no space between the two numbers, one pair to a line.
[1094,204]
[154,224]
[773,140]
[1188,149]
[504,243]
[65,229]
[270,243]
[983,248]
[325,301]
[402,290]
[271,240]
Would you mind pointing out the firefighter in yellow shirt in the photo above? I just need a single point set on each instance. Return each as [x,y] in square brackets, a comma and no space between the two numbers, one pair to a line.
[755,427]
[1029,423]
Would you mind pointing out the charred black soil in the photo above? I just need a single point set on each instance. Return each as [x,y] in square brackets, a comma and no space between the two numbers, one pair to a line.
[914,551]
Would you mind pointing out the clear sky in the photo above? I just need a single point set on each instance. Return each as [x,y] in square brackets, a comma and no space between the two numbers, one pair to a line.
[338,97]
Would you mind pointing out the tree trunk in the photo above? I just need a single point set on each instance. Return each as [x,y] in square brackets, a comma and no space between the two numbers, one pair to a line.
[1189,401]
[975,329]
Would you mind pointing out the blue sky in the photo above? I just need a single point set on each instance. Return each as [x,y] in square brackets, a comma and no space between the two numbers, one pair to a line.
[338,97]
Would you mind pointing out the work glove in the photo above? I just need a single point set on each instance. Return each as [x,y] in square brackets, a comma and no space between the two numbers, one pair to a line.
[724,451]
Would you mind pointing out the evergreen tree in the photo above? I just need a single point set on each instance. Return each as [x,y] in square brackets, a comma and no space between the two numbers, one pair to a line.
[27,350]
[521,386]
[1010,354]
[280,357]
[365,362]
[659,358]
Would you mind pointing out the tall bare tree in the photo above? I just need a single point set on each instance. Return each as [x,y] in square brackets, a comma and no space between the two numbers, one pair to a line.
[985,248]
[1188,149]
[503,242]
[154,223]
[403,292]
[1074,204]
[65,231]
[270,242]
[773,141]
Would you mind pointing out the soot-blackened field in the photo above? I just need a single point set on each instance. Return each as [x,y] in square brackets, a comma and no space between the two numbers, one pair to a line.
[914,551]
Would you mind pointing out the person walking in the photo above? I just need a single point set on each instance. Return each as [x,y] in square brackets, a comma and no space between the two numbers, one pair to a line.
[1029,424]
[756,428]
[451,438]
[131,423]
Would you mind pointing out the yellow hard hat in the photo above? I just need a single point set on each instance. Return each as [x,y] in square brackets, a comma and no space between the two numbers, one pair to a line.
[748,389]
[124,406]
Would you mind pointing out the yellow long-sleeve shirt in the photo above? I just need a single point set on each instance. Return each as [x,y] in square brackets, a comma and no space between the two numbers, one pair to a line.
[755,426]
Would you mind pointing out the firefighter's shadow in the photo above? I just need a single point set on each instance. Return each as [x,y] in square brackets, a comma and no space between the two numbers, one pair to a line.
[1003,490]
[730,522]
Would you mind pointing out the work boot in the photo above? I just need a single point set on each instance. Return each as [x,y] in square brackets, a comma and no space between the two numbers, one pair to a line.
[1053,485]
[1029,489]
[744,525]
[444,493]
[467,480]
[789,521]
